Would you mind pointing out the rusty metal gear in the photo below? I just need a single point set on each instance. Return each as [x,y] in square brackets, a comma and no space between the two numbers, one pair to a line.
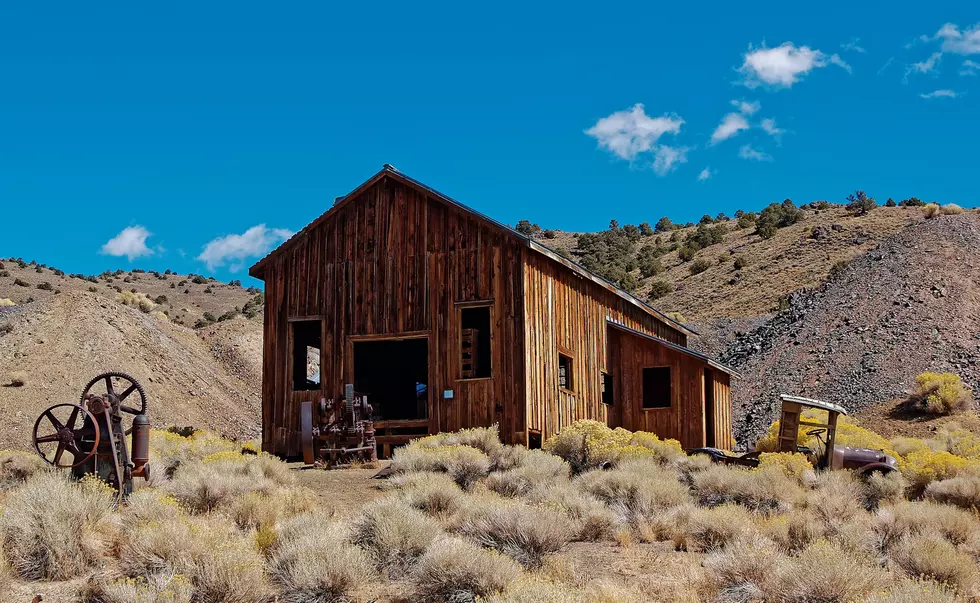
[118,398]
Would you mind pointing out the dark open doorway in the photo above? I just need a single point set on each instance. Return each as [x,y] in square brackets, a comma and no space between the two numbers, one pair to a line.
[394,375]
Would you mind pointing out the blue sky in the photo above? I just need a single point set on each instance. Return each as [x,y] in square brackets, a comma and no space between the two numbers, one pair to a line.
[136,136]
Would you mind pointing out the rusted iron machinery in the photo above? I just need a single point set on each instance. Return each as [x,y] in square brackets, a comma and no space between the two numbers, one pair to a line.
[345,434]
[93,433]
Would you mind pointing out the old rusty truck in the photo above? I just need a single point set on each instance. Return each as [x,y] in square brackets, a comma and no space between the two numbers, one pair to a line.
[828,455]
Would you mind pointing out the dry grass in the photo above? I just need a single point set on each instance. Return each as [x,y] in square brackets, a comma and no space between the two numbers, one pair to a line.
[484,439]
[524,533]
[258,510]
[825,572]
[464,464]
[160,588]
[220,479]
[6,302]
[710,529]
[314,562]
[742,570]
[530,589]
[140,301]
[591,519]
[635,490]
[914,591]
[927,556]
[932,210]
[959,491]
[762,490]
[222,563]
[435,494]
[17,466]
[535,468]
[896,523]
[394,534]
[454,570]
[56,529]
[883,488]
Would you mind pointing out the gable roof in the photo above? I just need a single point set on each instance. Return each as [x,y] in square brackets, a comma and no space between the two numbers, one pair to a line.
[258,269]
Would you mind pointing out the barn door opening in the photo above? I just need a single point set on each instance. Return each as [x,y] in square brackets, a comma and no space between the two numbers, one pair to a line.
[395,375]
[709,408]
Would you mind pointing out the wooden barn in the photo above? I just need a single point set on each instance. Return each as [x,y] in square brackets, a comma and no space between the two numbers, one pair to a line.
[448,319]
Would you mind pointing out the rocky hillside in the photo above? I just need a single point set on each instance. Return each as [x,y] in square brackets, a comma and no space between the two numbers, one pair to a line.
[909,305]
[796,256]
[184,299]
[58,338]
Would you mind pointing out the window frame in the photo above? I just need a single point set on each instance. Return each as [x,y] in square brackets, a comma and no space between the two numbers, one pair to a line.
[469,305]
[670,388]
[569,386]
[293,322]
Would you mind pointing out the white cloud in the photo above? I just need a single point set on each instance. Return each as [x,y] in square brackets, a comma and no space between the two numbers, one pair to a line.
[730,125]
[131,242]
[969,67]
[853,45]
[667,158]
[836,60]
[746,107]
[705,174]
[886,65]
[769,125]
[630,132]
[941,94]
[925,66]
[959,41]
[747,152]
[236,248]
[784,65]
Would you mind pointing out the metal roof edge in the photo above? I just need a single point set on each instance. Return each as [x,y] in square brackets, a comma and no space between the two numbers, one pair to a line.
[674,346]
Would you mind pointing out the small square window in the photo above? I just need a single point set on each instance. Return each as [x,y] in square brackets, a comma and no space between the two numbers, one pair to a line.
[656,387]
[565,380]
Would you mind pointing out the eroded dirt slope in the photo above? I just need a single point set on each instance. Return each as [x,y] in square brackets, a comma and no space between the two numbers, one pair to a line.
[62,341]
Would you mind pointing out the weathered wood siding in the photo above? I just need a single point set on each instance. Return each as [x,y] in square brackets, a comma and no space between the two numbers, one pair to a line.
[684,419]
[563,310]
[721,382]
[392,261]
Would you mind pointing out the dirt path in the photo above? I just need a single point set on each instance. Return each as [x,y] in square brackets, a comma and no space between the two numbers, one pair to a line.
[344,491]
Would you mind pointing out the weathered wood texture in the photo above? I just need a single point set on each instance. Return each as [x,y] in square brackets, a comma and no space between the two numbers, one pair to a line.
[721,382]
[567,313]
[393,261]
[684,420]
[396,259]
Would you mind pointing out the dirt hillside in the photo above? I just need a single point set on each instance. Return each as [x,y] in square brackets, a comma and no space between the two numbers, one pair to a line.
[800,255]
[910,305]
[206,378]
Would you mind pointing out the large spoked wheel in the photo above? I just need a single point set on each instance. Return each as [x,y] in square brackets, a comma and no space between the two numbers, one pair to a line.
[115,388]
[80,440]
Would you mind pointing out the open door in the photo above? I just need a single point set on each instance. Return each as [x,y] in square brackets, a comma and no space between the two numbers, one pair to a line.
[394,374]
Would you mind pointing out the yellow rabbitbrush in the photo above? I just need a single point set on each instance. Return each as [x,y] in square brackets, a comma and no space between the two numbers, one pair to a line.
[588,444]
